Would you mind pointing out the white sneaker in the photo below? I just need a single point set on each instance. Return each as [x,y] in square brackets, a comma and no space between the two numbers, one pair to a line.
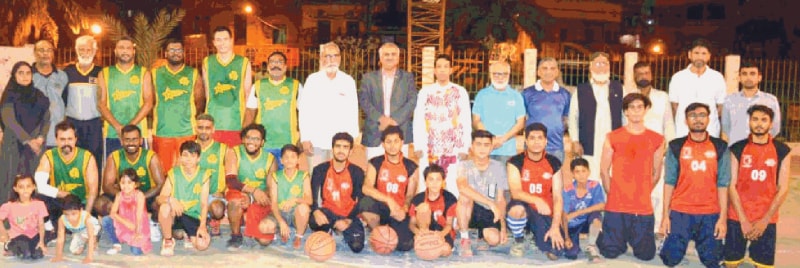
[48,226]
[116,248]
[155,231]
[77,244]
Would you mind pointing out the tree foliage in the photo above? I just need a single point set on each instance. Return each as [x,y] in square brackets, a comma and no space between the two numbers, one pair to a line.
[148,36]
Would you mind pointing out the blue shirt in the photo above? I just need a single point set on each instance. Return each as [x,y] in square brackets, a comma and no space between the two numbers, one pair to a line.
[53,86]
[595,195]
[499,111]
[548,108]
[735,121]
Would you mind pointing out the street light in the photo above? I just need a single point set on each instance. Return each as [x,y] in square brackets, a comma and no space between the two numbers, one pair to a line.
[96,29]
[248,9]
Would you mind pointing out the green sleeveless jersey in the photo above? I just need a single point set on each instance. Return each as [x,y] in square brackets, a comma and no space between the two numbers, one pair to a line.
[69,175]
[212,158]
[124,96]
[141,165]
[225,92]
[277,111]
[289,188]
[253,171]
[174,110]
[188,190]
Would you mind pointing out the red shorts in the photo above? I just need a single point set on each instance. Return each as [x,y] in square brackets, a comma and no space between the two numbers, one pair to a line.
[168,149]
[229,137]
[253,215]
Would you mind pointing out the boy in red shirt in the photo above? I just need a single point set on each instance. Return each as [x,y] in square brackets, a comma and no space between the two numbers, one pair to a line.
[695,192]
[634,155]
[759,184]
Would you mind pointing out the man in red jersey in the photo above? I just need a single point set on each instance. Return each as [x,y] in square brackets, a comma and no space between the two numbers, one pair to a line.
[759,184]
[633,154]
[695,192]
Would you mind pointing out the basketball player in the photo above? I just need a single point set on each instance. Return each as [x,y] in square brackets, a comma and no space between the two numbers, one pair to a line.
[435,209]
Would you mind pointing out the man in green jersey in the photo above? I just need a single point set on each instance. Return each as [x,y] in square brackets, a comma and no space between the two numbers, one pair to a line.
[290,194]
[212,158]
[145,162]
[178,98]
[66,169]
[273,103]
[228,78]
[125,95]
[185,198]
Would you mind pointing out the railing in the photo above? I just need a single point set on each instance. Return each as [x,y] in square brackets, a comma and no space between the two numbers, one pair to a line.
[471,70]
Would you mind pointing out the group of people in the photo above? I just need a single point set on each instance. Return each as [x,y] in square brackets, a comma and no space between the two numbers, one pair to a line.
[77,142]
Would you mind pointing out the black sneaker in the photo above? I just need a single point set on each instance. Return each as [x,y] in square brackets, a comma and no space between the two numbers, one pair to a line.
[235,243]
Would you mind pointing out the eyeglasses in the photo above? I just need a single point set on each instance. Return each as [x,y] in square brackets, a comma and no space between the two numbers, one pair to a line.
[500,74]
[251,138]
[600,63]
[277,62]
[697,115]
[175,50]
[45,50]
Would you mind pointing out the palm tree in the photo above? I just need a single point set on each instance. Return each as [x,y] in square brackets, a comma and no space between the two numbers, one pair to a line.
[503,20]
[148,36]
[37,22]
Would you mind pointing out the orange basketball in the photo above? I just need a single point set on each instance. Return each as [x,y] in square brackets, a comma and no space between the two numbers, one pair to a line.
[202,243]
[428,246]
[383,240]
[320,246]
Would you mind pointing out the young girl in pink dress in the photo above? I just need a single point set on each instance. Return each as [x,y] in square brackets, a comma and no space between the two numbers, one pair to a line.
[127,223]
[25,215]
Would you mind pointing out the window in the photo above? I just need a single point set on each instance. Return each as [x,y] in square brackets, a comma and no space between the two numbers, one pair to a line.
[694,12]
[716,11]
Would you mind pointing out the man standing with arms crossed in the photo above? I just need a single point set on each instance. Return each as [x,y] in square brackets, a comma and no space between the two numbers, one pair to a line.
[228,78]
[388,97]
[759,185]
[126,95]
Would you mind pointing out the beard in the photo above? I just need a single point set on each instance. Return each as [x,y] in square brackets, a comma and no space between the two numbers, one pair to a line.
[698,63]
[66,149]
[175,62]
[500,85]
[85,60]
[643,83]
[131,149]
[332,68]
[601,78]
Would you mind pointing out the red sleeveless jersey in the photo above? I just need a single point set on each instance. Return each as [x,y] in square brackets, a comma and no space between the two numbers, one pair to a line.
[757,180]
[392,179]
[536,178]
[337,191]
[696,189]
[632,171]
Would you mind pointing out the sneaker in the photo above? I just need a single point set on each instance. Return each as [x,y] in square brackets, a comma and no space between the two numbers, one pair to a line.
[187,243]
[465,247]
[517,249]
[155,231]
[659,244]
[168,247]
[551,256]
[213,227]
[297,243]
[115,249]
[235,243]
[592,253]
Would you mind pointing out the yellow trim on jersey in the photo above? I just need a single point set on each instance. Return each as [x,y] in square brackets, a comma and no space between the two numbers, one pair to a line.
[224,64]
[175,72]
[49,155]
[107,79]
[295,130]
[242,90]
[67,161]
[84,73]
[154,79]
[257,88]
[206,86]
[192,97]
[142,124]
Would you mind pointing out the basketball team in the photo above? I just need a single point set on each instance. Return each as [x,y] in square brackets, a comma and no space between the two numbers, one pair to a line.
[226,145]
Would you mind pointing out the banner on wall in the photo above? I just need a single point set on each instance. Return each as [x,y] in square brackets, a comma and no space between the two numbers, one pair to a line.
[10,56]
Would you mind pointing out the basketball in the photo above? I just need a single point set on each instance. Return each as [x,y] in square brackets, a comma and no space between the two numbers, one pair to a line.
[201,244]
[428,246]
[383,240]
[320,246]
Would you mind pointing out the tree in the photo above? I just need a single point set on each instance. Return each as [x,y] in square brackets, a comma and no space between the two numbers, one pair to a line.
[40,19]
[148,36]
[502,20]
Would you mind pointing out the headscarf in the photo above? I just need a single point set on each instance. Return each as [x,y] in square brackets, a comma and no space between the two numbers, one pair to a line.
[23,96]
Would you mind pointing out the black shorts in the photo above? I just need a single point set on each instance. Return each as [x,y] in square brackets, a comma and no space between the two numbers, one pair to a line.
[188,224]
[482,218]
[369,204]
[762,251]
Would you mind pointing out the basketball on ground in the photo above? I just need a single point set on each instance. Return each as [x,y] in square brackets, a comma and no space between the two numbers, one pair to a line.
[202,243]
[428,246]
[383,240]
[320,246]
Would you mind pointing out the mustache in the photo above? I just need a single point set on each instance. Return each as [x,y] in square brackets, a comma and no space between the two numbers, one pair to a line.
[276,69]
